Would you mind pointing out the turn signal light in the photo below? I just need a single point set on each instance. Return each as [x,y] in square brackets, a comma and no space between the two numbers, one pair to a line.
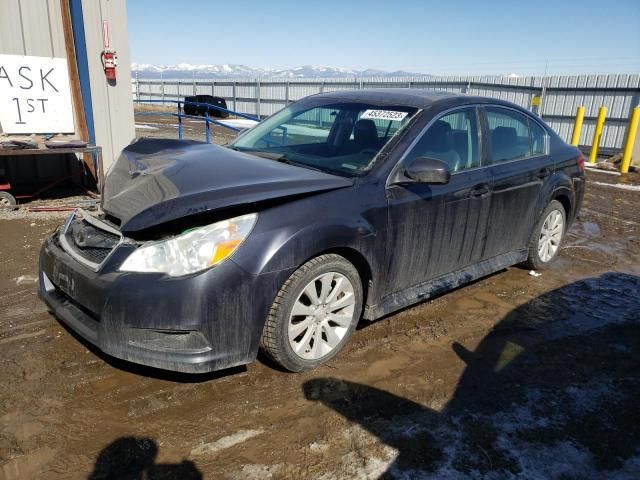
[223,250]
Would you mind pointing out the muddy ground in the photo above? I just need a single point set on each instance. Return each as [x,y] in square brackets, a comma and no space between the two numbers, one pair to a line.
[512,376]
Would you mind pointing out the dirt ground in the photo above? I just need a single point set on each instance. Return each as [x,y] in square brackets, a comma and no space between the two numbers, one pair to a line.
[514,376]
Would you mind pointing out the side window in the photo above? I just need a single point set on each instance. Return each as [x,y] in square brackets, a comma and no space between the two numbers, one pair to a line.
[509,134]
[538,136]
[453,138]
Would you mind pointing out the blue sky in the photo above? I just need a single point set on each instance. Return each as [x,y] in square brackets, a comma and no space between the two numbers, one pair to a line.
[438,37]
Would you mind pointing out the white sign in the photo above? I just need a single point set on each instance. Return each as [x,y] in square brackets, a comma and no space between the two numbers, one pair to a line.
[383,115]
[35,95]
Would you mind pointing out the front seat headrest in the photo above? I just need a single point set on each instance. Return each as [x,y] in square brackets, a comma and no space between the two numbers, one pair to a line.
[439,137]
[503,137]
[365,133]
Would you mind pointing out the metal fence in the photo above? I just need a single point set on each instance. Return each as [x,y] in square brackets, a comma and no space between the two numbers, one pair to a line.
[559,95]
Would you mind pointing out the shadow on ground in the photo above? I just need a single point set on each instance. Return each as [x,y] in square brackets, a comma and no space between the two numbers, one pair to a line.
[132,458]
[553,391]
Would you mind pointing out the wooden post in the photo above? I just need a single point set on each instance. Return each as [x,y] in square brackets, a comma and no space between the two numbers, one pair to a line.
[82,131]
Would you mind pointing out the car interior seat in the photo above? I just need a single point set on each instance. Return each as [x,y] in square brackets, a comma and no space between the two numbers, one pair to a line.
[461,146]
[365,137]
[365,134]
[438,144]
[504,143]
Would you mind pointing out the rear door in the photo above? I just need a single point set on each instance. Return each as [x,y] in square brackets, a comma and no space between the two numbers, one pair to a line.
[519,166]
[438,229]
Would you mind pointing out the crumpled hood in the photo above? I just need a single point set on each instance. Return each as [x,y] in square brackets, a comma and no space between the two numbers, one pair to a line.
[158,180]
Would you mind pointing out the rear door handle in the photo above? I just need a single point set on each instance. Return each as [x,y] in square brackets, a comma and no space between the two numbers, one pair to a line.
[544,173]
[479,190]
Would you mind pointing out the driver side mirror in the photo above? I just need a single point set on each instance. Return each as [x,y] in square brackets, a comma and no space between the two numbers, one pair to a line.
[424,170]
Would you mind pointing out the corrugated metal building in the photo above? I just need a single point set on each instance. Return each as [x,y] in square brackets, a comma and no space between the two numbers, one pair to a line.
[36,28]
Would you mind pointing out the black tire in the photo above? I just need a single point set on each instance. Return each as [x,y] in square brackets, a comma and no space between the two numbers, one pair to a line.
[7,201]
[534,262]
[275,340]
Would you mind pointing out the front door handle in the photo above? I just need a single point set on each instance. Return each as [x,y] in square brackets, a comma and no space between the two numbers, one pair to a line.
[479,190]
[544,173]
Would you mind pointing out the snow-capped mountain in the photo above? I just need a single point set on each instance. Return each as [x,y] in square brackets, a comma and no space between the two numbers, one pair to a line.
[186,70]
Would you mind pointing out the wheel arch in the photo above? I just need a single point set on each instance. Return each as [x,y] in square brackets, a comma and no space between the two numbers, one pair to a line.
[564,198]
[359,261]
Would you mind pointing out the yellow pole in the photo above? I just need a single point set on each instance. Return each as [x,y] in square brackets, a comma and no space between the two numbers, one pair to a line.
[602,113]
[631,139]
[577,126]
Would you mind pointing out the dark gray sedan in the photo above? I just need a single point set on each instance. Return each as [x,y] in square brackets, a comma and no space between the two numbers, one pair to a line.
[341,206]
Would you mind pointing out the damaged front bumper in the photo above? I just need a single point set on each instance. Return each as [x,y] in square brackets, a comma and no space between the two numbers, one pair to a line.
[195,324]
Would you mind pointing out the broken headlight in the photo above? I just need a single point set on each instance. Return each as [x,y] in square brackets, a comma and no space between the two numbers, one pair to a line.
[192,251]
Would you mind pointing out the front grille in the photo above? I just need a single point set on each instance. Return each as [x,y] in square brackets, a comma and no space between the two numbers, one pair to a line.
[94,255]
[88,240]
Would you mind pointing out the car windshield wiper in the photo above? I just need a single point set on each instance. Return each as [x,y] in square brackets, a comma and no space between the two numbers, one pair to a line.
[260,153]
[280,157]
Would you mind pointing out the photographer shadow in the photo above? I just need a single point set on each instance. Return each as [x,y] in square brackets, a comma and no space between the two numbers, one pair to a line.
[134,458]
[557,374]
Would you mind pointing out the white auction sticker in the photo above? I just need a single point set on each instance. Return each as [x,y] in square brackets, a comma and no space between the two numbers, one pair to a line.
[383,115]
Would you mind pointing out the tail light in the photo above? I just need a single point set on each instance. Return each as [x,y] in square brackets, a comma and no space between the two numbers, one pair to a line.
[581,162]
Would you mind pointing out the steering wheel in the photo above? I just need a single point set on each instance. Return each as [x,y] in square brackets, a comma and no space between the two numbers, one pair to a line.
[270,143]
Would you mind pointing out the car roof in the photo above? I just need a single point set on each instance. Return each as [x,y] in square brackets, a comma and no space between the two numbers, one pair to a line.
[410,97]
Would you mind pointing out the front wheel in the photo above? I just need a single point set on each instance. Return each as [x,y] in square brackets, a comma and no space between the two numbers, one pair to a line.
[314,313]
[547,236]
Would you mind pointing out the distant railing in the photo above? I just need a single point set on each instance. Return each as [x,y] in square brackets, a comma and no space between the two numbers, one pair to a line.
[179,114]
[553,97]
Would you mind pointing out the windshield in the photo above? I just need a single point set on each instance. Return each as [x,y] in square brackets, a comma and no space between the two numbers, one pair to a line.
[342,138]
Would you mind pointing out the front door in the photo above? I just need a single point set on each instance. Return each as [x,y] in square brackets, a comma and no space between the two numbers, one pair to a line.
[438,229]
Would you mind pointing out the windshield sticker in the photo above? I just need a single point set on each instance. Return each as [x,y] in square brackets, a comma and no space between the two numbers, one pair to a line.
[384,115]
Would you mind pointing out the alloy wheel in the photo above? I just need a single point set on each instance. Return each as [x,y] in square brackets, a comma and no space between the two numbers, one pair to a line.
[321,316]
[550,235]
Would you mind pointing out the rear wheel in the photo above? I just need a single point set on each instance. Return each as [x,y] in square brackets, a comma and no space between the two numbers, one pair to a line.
[314,313]
[547,236]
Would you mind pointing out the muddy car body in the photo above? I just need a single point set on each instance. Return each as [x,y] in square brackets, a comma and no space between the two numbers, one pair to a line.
[366,200]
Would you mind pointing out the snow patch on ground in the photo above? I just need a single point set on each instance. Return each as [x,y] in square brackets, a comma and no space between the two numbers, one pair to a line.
[518,450]
[142,126]
[621,186]
[355,467]
[255,472]
[225,442]
[238,122]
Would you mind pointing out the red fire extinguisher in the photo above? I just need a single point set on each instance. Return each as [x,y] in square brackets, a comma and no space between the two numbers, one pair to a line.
[109,56]
[109,63]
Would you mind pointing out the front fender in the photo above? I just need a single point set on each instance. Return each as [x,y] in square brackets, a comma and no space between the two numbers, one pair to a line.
[288,248]
[349,221]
